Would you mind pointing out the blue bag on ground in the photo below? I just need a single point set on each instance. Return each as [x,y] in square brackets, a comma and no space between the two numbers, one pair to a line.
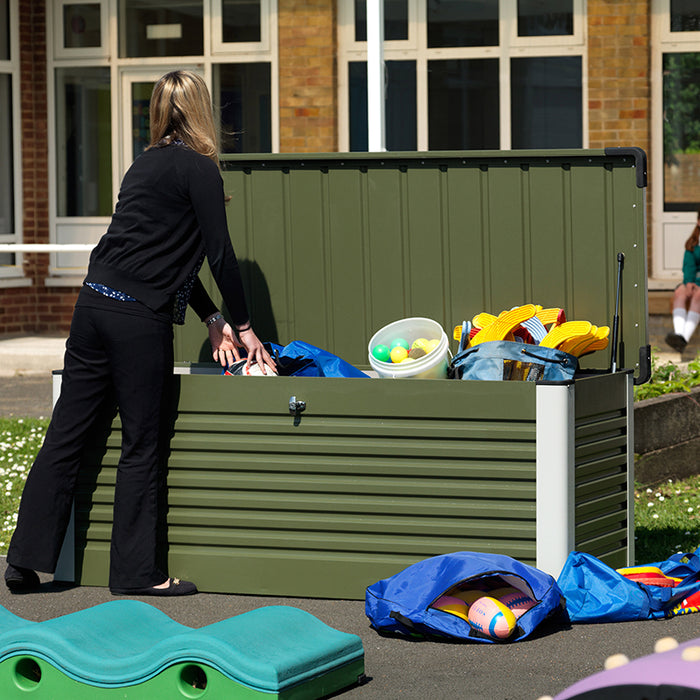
[499,360]
[595,592]
[401,604]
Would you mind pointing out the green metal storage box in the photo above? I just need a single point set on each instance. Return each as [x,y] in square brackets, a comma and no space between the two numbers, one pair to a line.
[376,474]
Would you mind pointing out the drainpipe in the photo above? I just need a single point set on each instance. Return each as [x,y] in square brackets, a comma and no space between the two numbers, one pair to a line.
[375,76]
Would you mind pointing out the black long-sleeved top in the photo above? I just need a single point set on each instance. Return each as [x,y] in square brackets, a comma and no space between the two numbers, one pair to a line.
[170,210]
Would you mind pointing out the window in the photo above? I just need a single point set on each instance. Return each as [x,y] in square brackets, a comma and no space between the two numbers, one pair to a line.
[10,194]
[462,93]
[244,96]
[80,28]
[150,28]
[400,106]
[83,131]
[675,132]
[468,74]
[104,58]
[685,16]
[546,109]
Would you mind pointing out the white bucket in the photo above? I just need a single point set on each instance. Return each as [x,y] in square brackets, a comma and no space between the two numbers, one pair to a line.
[430,366]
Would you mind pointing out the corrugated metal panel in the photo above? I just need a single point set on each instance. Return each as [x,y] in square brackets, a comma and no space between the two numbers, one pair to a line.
[334,247]
[377,474]
[348,495]
[601,490]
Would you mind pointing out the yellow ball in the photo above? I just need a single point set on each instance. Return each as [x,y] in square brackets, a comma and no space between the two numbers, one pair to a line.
[432,344]
[421,343]
[399,354]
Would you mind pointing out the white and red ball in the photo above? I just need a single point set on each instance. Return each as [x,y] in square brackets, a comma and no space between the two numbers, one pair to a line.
[492,618]
[517,602]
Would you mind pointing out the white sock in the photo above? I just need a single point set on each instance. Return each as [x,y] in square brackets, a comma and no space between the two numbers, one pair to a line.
[679,317]
[691,324]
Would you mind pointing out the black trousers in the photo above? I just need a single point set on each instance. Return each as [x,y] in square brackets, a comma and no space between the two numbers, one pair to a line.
[108,350]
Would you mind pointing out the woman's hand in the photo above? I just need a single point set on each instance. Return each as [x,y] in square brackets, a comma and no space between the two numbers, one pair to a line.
[224,344]
[256,351]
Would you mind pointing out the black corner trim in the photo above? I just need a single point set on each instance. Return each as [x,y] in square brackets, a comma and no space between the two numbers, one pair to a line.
[644,365]
[640,160]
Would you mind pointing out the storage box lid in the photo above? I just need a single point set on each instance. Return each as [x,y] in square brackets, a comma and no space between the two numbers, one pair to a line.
[335,246]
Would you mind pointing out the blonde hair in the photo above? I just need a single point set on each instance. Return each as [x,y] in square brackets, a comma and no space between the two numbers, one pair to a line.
[181,109]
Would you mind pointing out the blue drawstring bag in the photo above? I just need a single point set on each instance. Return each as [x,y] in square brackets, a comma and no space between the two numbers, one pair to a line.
[595,592]
[499,360]
[402,603]
[322,362]
[300,359]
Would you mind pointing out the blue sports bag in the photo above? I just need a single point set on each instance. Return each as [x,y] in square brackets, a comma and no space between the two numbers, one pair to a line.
[402,604]
[595,592]
[499,360]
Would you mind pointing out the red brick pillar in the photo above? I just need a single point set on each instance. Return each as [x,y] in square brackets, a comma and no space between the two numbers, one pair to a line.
[307,76]
[619,86]
[619,78]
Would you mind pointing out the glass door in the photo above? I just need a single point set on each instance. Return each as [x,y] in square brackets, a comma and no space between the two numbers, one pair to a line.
[137,86]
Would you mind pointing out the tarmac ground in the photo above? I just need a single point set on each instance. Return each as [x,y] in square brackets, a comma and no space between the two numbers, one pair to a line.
[545,664]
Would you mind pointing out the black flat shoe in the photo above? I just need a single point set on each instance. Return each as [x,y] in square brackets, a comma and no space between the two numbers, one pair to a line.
[20,580]
[175,587]
[676,341]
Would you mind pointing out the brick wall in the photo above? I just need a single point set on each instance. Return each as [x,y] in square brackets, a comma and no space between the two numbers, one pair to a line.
[307,70]
[619,78]
[619,88]
[35,309]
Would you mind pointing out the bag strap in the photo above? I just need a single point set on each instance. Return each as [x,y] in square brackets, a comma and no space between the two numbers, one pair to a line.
[692,566]
[416,629]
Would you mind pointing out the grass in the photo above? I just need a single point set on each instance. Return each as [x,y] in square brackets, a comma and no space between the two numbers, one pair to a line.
[668,378]
[20,440]
[667,515]
[667,519]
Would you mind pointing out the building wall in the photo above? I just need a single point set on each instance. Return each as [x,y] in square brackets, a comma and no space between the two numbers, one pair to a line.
[619,77]
[618,114]
[307,69]
[36,308]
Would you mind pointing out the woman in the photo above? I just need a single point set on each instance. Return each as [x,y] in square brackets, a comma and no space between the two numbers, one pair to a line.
[142,274]
[686,298]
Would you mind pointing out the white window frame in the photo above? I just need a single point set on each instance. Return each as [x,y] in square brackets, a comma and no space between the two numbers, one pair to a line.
[60,51]
[415,48]
[67,269]
[669,230]
[219,46]
[13,275]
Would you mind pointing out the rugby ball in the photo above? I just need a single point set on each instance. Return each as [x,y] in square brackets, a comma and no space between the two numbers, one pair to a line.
[492,618]
[517,602]
[468,596]
[255,370]
[452,605]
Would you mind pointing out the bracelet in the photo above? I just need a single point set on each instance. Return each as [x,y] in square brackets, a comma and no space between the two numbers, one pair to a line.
[213,319]
[246,328]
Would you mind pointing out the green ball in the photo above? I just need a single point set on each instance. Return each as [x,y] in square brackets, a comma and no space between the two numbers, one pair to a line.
[400,343]
[382,353]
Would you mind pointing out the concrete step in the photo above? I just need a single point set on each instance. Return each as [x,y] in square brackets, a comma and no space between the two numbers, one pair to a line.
[31,355]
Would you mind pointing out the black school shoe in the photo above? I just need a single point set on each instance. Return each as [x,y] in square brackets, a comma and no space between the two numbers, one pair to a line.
[176,587]
[676,341]
[20,580]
